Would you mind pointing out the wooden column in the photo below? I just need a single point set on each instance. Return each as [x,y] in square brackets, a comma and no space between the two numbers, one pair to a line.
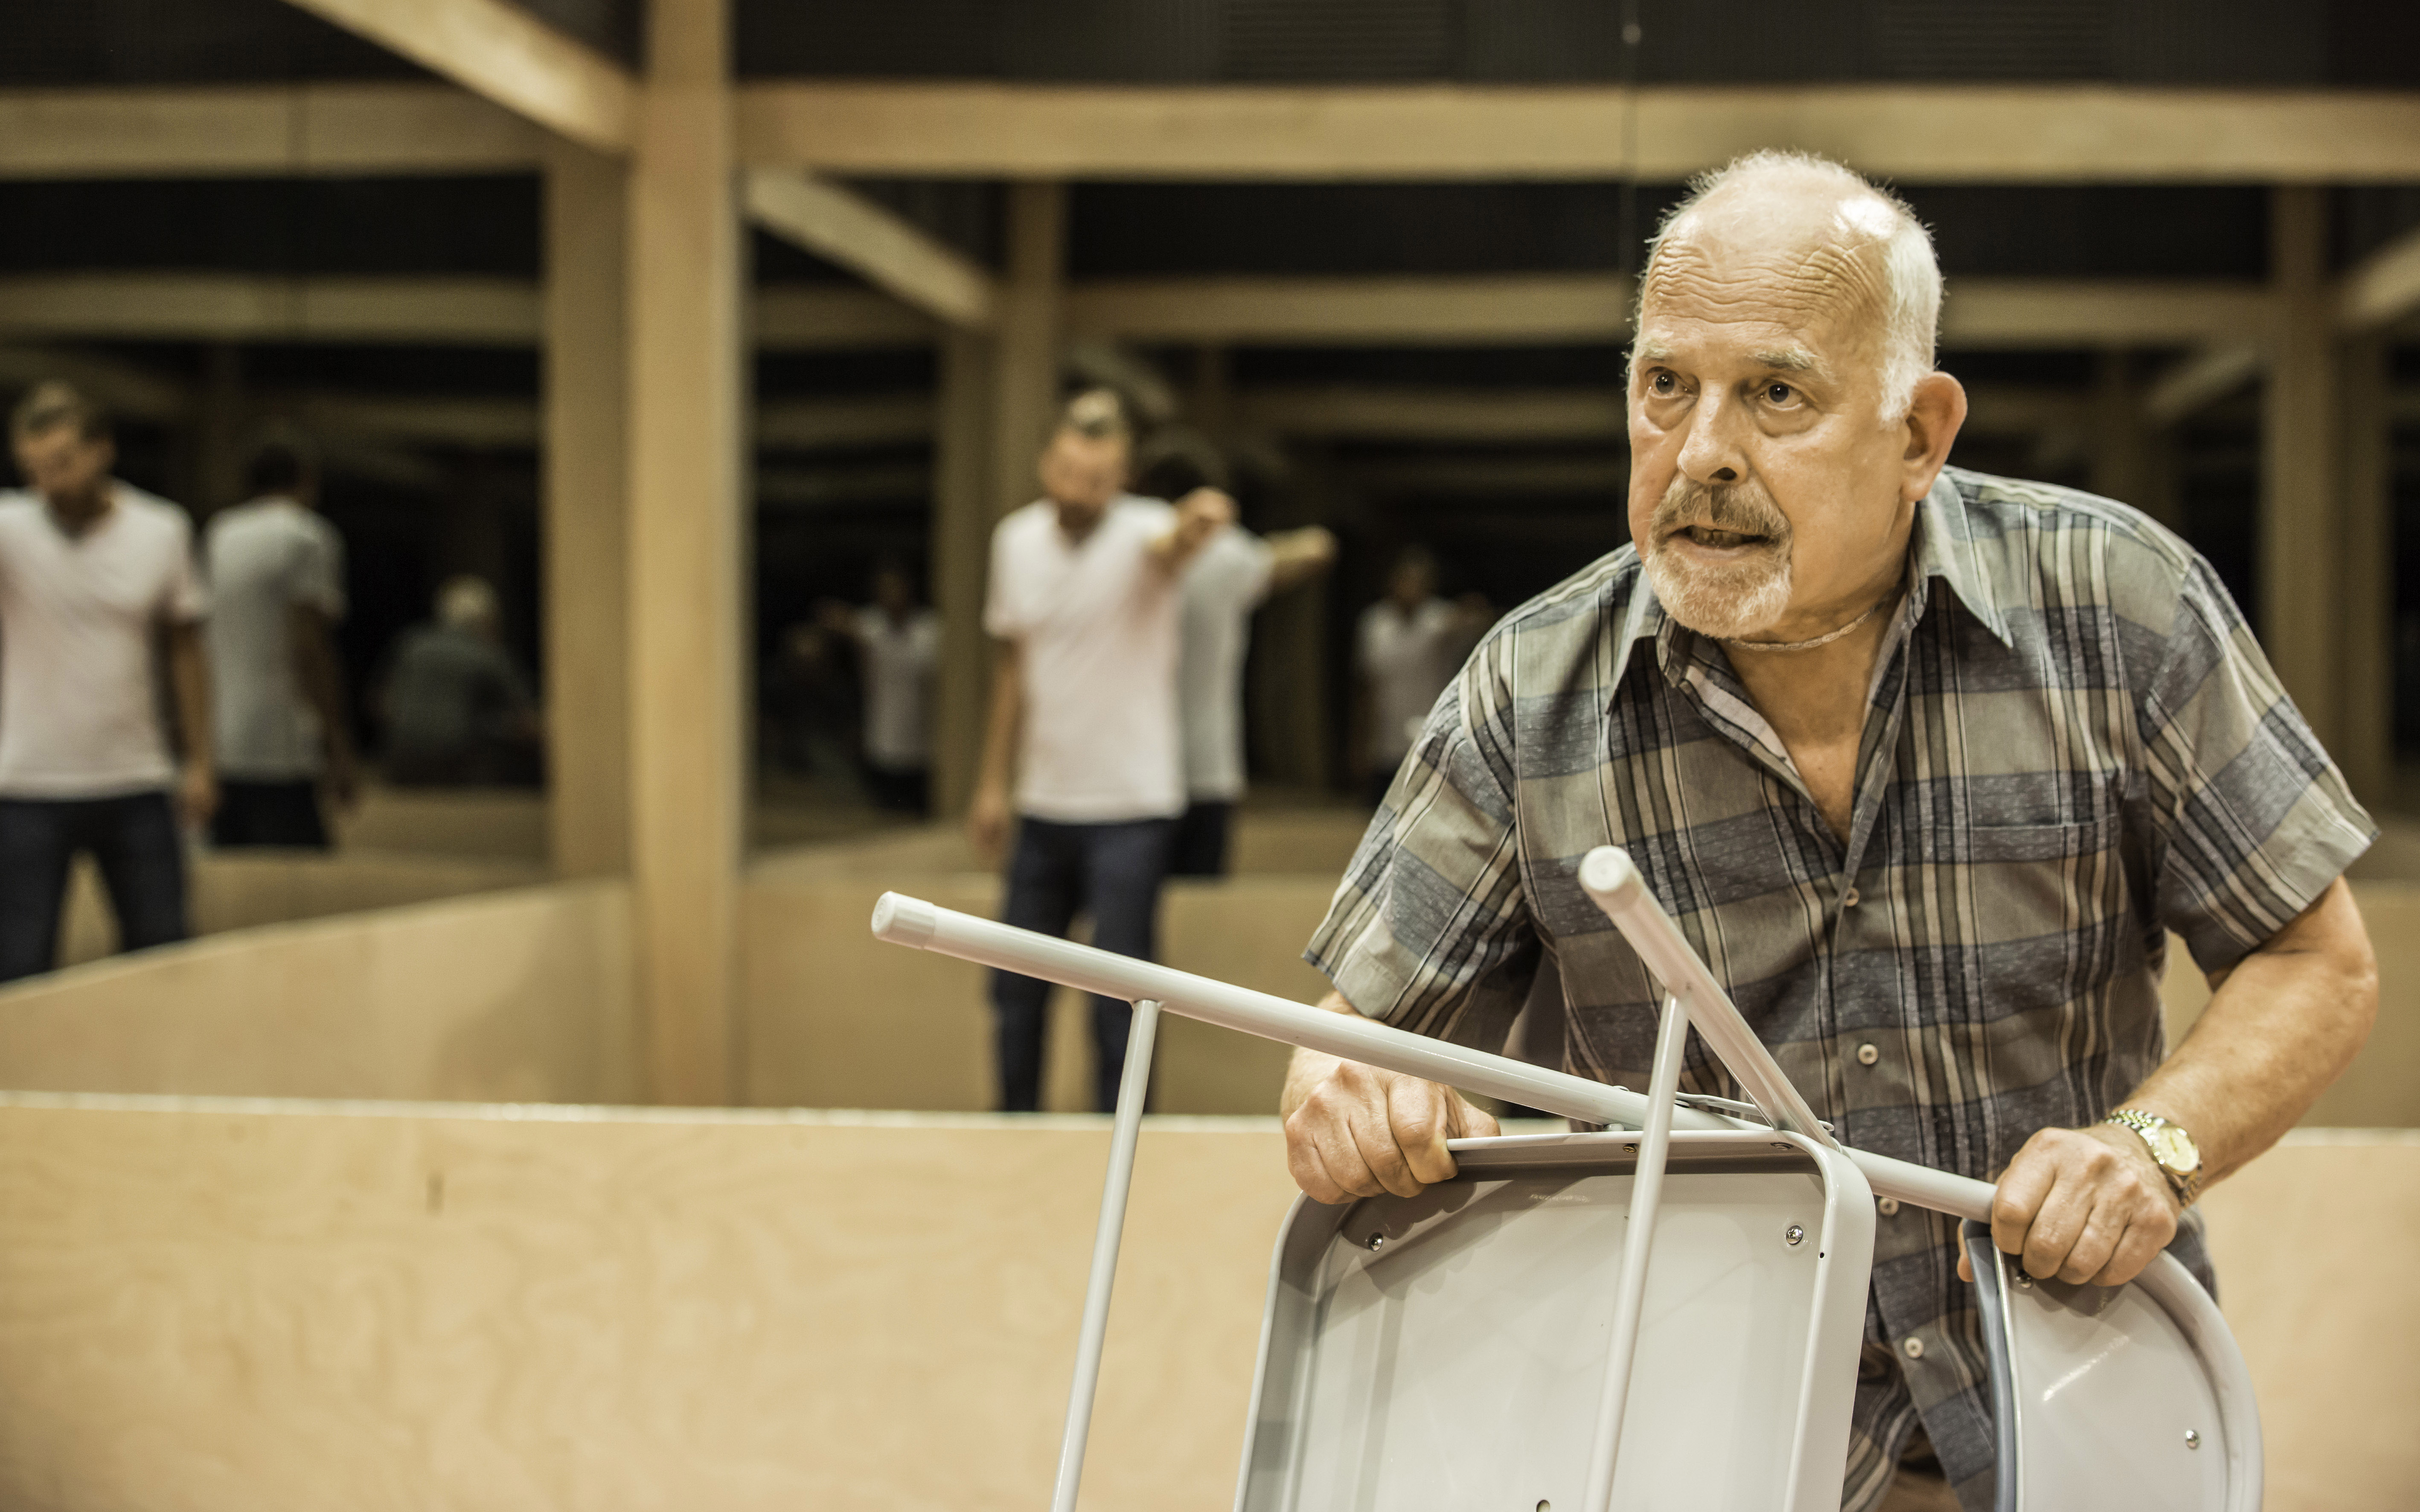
[2366,750]
[963,511]
[2122,436]
[585,524]
[686,660]
[1025,350]
[2301,516]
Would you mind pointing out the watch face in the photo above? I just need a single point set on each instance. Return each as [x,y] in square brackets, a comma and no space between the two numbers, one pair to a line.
[2171,1147]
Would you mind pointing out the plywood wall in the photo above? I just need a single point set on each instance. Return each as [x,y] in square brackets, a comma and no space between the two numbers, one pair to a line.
[212,1306]
[518,995]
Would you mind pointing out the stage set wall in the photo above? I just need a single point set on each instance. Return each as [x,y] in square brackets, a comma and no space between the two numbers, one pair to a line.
[324,1210]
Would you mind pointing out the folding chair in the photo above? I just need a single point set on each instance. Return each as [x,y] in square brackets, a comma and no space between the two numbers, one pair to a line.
[1476,1346]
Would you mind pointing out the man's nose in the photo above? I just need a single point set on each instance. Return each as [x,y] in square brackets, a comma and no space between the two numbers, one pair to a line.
[1710,452]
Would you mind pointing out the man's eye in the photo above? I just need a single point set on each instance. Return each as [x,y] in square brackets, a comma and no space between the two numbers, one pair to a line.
[1664,385]
[1779,393]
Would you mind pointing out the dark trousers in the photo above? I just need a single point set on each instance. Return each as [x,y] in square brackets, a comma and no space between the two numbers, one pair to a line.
[900,789]
[134,840]
[1202,834]
[1109,871]
[284,814]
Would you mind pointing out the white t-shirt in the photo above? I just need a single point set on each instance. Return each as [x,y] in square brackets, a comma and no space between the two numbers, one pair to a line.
[1409,659]
[80,711]
[898,686]
[265,558]
[1095,627]
[1225,581]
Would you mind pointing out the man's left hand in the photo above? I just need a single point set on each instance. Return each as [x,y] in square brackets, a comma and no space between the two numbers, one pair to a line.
[2083,1205]
[197,794]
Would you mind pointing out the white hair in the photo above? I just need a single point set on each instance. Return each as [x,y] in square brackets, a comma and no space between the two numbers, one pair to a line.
[1911,272]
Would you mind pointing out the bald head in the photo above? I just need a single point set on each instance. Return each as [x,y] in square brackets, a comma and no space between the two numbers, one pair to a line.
[1813,242]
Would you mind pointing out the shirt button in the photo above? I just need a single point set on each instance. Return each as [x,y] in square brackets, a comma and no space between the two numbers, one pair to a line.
[1867,1055]
[1887,1207]
[1849,899]
[1915,1348]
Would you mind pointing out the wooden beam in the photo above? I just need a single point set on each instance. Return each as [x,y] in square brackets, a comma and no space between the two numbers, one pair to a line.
[1586,307]
[813,424]
[2301,520]
[2383,289]
[586,469]
[132,391]
[964,512]
[1443,416]
[439,311]
[351,129]
[688,660]
[1941,133]
[2200,381]
[501,52]
[1024,387]
[843,226]
[413,311]
[1544,307]
[822,488]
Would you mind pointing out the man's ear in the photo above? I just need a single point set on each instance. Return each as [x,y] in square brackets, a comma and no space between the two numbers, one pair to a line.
[1934,414]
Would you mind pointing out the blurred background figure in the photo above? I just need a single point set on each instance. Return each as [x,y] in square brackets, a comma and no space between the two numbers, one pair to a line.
[1408,646]
[94,574]
[277,591]
[1233,576]
[898,644]
[1081,749]
[458,712]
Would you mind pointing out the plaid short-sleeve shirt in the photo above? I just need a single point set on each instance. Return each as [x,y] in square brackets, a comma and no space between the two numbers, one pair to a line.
[2073,744]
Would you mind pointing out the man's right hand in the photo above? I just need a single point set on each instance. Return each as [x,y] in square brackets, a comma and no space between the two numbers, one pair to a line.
[1355,1130]
[987,820]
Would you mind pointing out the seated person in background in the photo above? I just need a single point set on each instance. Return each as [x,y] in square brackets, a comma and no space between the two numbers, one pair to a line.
[94,575]
[1405,651]
[1926,764]
[458,713]
[277,591]
[1232,577]
[898,644]
[1080,751]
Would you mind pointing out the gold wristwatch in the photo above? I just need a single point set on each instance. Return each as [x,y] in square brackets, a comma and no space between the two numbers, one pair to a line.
[2172,1150]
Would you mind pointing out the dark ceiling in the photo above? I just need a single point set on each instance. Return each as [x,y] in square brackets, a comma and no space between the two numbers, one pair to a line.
[2367,43]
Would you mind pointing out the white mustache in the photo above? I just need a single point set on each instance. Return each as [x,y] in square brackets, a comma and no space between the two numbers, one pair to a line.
[1742,508]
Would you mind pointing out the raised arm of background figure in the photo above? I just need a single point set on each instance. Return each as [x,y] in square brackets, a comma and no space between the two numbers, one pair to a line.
[1298,556]
[1354,1131]
[987,815]
[317,672]
[1199,514]
[2091,1204]
[189,676]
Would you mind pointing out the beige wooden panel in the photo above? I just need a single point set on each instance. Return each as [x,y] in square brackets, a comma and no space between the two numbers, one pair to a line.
[440,311]
[304,129]
[502,53]
[1937,133]
[244,889]
[227,1307]
[2312,1243]
[522,996]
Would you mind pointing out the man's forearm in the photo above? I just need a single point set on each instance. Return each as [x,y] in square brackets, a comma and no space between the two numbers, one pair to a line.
[323,685]
[1000,731]
[190,675]
[2282,1025]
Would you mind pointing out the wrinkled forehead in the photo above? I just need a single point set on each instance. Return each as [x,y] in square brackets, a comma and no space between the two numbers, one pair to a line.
[1812,272]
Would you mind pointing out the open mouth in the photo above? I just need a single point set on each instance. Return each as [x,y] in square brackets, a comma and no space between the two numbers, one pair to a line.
[1713,539]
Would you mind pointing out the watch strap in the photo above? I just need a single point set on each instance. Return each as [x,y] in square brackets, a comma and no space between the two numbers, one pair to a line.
[2186,1185]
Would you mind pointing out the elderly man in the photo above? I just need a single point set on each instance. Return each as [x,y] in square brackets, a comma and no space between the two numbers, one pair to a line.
[1926,763]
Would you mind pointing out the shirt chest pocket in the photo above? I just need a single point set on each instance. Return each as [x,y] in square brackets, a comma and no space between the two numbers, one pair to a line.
[2031,880]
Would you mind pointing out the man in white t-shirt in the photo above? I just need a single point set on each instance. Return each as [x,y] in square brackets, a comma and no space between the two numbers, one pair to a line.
[1409,645]
[1081,747]
[93,573]
[277,592]
[1234,575]
[898,644]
